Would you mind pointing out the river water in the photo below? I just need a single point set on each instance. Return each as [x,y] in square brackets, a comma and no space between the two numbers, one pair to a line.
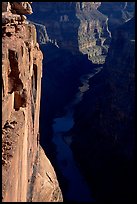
[77,187]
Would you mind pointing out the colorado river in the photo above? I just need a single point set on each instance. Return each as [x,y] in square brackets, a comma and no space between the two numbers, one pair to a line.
[77,187]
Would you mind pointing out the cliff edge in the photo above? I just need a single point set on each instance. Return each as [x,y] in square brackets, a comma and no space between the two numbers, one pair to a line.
[27,174]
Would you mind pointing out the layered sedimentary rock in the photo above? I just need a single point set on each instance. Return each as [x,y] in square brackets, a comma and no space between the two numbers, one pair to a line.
[75,26]
[23,161]
[105,123]
[93,33]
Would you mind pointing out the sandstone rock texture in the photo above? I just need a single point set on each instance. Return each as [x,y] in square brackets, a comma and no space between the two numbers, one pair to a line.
[22,156]
[75,26]
[45,179]
[21,7]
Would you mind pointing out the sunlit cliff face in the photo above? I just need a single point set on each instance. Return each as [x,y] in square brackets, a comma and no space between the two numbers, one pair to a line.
[25,167]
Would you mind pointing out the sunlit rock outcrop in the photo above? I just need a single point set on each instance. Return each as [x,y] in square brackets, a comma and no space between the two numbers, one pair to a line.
[21,93]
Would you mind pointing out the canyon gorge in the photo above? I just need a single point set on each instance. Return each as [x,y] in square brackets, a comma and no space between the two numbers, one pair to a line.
[68,101]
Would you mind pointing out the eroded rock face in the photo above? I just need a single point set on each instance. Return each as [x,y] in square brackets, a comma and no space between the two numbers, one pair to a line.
[75,26]
[93,33]
[21,92]
[45,179]
[6,6]
[21,7]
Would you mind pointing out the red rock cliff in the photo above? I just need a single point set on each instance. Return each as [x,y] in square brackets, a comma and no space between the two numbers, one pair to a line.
[27,174]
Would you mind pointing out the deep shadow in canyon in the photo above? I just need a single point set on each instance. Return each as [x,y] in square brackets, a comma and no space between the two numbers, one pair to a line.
[103,136]
[61,78]
[104,129]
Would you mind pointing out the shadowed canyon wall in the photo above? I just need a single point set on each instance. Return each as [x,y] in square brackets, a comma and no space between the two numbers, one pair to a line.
[60,27]
[105,123]
[67,33]
[103,134]
[27,174]
[117,12]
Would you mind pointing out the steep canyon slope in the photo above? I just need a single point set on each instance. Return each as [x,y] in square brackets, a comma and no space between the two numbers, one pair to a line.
[74,38]
[27,174]
[105,123]
[69,33]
